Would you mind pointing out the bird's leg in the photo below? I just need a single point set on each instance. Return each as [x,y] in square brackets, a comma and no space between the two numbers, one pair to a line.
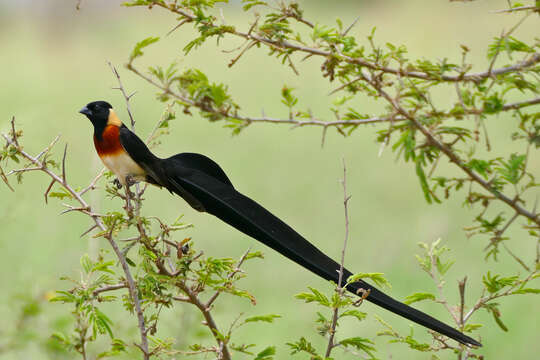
[128,200]
[129,181]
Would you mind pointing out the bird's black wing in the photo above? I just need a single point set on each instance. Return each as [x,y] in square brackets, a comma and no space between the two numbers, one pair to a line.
[219,198]
[139,152]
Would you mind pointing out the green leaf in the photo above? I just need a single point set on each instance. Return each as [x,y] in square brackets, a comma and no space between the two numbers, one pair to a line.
[265,318]
[101,322]
[354,313]
[360,343]
[526,291]
[442,268]
[288,99]
[418,297]
[471,327]
[130,262]
[137,50]
[315,296]
[86,263]
[511,170]
[303,345]
[493,104]
[480,166]
[377,278]
[103,266]
[266,354]
[422,178]
[254,255]
[493,308]
[496,283]
[64,297]
[248,4]
[61,194]
[509,44]
[499,322]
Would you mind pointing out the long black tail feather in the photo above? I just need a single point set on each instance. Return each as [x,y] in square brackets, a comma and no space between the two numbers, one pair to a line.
[219,198]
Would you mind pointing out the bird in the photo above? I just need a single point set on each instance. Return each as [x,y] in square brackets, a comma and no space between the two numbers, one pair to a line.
[203,184]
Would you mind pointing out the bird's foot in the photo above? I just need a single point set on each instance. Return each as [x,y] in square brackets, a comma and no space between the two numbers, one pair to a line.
[117,183]
[130,180]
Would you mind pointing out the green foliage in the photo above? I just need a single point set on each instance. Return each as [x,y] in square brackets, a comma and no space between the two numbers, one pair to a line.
[418,297]
[362,344]
[432,258]
[264,318]
[266,354]
[302,345]
[496,283]
[408,340]
[314,296]
[377,278]
[508,44]
[137,50]
[353,313]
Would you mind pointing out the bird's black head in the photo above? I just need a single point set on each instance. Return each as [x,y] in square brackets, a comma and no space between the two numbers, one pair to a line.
[98,112]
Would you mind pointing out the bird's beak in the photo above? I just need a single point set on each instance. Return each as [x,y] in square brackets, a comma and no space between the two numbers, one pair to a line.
[86,111]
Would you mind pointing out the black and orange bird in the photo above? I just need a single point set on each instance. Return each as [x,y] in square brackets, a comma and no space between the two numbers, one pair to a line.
[206,187]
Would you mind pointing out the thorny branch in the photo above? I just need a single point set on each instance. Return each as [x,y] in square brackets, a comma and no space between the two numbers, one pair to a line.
[107,233]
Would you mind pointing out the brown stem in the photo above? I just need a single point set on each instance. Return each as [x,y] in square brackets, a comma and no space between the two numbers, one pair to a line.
[340,287]
[209,320]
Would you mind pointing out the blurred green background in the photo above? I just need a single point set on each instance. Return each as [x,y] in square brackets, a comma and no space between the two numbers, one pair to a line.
[53,61]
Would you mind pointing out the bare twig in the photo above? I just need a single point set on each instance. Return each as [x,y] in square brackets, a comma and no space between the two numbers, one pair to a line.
[182,22]
[124,93]
[48,148]
[350,26]
[13,133]
[92,184]
[340,288]
[515,257]
[90,229]
[518,8]
[64,164]
[5,179]
[461,286]
[109,288]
